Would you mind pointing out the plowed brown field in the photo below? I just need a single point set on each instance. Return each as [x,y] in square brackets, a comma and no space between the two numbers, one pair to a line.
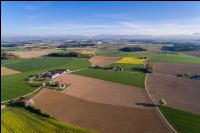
[179,93]
[101,117]
[102,91]
[102,60]
[176,68]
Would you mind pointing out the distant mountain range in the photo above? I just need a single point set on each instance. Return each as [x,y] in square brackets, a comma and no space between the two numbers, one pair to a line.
[113,37]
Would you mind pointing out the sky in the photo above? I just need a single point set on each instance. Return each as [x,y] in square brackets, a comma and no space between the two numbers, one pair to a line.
[95,18]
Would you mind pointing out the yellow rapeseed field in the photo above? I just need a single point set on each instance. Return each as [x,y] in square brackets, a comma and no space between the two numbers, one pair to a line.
[88,52]
[131,60]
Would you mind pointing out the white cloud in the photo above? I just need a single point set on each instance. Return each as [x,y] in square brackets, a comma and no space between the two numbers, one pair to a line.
[119,28]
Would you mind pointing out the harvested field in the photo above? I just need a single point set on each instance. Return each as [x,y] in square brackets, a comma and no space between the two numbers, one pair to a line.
[176,68]
[178,93]
[7,71]
[101,117]
[32,54]
[102,91]
[102,60]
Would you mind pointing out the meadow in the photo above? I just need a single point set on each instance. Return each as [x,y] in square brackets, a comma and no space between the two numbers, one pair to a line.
[6,62]
[154,57]
[183,122]
[13,86]
[128,78]
[46,63]
[18,120]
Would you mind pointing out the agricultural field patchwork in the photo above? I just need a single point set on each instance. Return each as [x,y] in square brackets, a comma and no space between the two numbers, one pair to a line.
[131,60]
[154,56]
[18,120]
[14,86]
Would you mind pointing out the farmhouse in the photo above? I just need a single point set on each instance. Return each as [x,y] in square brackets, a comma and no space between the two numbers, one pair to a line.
[56,84]
[52,74]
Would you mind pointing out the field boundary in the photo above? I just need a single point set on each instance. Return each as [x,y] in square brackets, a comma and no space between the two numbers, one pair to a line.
[23,95]
[145,85]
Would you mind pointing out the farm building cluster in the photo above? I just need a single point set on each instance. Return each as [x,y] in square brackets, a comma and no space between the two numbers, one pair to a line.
[52,74]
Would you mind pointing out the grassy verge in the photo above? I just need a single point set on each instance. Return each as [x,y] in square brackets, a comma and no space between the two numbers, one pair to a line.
[183,122]
[134,79]
[18,120]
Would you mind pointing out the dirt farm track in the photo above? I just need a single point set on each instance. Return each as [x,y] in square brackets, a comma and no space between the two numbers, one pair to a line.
[102,117]
[179,93]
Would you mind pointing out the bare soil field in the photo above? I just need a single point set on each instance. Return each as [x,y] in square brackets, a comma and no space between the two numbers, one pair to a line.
[176,68]
[32,54]
[179,93]
[101,91]
[102,60]
[101,117]
[7,71]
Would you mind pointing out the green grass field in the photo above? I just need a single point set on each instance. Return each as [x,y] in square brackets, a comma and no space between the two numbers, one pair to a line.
[134,79]
[154,57]
[13,86]
[47,63]
[183,122]
[19,120]
[6,62]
